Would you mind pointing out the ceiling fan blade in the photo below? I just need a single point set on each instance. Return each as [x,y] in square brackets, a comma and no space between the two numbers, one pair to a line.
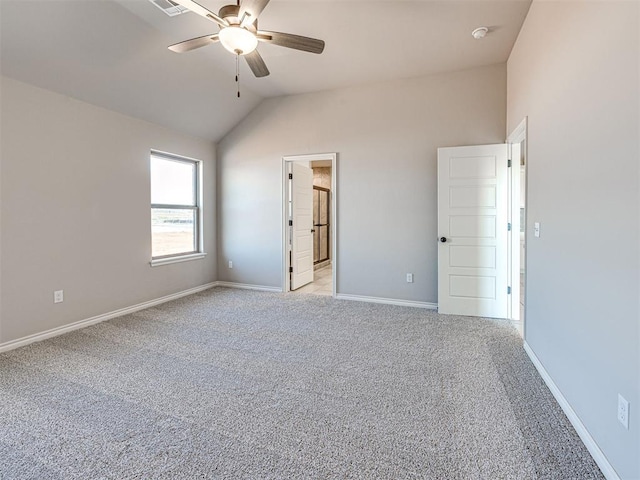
[194,43]
[250,9]
[289,40]
[200,10]
[256,64]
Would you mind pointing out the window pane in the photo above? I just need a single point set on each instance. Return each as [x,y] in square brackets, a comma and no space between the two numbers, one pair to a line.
[172,182]
[172,231]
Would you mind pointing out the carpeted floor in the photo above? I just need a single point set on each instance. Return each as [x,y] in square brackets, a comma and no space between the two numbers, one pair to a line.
[241,384]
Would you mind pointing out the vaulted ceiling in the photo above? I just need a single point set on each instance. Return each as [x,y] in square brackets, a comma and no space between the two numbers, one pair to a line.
[112,53]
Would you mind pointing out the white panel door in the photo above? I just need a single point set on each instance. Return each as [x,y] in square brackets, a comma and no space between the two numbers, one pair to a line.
[472,230]
[302,236]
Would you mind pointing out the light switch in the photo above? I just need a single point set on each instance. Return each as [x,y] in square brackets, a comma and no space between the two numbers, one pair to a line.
[536,229]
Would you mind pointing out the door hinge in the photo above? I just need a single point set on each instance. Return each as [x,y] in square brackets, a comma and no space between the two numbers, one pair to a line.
[508,290]
[509,226]
[508,164]
[291,175]
[291,223]
[290,269]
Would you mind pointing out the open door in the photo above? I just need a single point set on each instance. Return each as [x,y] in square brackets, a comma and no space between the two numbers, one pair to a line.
[302,228]
[473,230]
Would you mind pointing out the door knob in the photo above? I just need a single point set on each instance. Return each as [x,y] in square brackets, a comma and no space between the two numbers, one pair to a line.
[313,230]
[443,239]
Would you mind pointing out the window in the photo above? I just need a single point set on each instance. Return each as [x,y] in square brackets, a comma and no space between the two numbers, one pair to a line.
[175,209]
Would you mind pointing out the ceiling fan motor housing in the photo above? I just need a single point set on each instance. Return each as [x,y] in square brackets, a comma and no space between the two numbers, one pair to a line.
[230,14]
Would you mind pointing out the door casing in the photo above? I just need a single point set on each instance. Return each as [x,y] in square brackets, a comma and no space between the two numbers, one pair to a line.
[515,139]
[333,157]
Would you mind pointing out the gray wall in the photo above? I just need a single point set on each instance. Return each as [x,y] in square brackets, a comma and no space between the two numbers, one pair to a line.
[75,211]
[386,137]
[574,73]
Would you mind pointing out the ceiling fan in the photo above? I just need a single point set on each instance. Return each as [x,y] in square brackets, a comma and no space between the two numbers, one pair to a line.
[240,35]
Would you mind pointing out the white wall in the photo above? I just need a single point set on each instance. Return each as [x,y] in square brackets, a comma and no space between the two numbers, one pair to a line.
[574,73]
[75,211]
[386,137]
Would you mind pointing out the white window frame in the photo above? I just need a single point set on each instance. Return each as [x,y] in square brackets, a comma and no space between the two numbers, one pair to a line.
[198,253]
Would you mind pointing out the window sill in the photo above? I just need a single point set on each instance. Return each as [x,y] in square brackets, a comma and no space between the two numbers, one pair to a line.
[177,259]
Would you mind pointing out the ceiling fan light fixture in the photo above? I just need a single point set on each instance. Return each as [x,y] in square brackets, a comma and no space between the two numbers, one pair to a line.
[238,40]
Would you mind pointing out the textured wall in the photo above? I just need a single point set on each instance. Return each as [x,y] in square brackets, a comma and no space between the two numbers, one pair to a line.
[76,211]
[386,136]
[574,73]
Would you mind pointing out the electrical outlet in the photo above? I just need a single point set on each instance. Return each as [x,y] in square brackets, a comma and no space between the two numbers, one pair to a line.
[536,229]
[623,411]
[58,296]
[409,277]
[230,264]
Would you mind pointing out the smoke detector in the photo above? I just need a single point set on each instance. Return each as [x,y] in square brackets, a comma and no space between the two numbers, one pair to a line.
[479,33]
[170,8]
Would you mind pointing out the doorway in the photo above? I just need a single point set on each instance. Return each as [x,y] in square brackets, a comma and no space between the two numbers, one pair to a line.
[518,143]
[482,229]
[309,224]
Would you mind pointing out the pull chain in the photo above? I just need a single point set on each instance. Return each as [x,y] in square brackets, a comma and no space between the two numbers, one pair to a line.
[238,73]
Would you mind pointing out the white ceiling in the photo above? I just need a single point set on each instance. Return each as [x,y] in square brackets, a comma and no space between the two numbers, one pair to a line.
[112,53]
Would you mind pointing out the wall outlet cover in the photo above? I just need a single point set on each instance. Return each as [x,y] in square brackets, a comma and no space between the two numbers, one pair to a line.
[58,296]
[623,411]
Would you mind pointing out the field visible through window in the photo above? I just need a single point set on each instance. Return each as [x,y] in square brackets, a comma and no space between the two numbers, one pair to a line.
[172,231]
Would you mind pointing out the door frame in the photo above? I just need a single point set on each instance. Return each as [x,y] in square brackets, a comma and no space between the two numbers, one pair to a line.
[333,157]
[516,137]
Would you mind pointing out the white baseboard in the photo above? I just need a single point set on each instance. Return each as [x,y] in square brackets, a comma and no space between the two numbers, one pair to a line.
[54,332]
[388,301]
[607,469]
[246,286]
